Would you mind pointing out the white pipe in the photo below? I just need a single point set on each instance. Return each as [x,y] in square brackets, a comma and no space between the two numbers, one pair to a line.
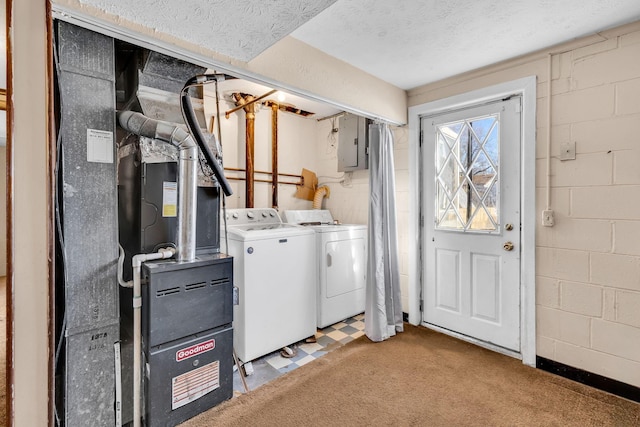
[137,332]
[548,184]
[121,281]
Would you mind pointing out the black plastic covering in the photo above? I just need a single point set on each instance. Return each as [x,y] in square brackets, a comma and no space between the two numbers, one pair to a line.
[197,134]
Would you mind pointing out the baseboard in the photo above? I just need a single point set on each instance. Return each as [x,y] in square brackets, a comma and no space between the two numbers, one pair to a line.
[593,380]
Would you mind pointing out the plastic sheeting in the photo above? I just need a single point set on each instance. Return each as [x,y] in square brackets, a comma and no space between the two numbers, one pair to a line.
[383,308]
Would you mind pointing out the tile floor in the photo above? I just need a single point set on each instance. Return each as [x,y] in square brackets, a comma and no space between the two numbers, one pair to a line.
[273,365]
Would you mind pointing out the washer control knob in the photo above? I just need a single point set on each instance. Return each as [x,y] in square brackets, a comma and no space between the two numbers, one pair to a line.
[264,214]
[250,215]
[235,215]
[272,214]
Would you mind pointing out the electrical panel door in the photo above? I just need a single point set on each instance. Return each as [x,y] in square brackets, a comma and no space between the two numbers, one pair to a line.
[353,144]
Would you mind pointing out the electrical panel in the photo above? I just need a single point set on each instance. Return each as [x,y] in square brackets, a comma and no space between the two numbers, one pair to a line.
[353,143]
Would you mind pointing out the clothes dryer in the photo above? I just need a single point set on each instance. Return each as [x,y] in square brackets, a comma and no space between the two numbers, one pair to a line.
[341,264]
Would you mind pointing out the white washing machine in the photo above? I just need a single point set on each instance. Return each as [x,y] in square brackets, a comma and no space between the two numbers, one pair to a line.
[274,269]
[342,264]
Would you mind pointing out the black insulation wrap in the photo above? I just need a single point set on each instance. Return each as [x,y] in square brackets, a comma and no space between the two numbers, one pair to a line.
[194,128]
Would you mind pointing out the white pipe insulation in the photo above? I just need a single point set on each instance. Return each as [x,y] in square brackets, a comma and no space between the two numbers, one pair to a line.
[137,330]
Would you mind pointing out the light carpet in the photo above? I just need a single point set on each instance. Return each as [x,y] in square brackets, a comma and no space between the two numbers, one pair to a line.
[420,378]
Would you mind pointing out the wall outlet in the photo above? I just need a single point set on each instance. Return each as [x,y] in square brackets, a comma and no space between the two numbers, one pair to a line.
[548,218]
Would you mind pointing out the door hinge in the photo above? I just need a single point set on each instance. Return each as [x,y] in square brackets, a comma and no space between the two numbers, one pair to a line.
[421,305]
[421,135]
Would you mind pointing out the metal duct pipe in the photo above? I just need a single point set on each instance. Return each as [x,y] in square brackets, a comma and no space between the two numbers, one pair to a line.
[142,125]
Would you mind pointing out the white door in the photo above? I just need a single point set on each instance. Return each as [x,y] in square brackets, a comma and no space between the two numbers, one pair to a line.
[471,208]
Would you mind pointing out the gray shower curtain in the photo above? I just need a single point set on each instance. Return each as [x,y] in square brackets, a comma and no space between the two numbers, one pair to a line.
[383,309]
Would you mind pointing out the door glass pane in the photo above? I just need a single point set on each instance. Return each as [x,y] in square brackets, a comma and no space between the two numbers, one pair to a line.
[467,165]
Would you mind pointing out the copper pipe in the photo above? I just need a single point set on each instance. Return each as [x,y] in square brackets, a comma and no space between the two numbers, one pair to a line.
[250,176]
[264,172]
[3,99]
[238,178]
[274,156]
[247,103]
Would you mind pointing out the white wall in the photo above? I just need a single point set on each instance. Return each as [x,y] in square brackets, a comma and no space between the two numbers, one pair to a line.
[296,150]
[32,215]
[347,202]
[3,211]
[588,264]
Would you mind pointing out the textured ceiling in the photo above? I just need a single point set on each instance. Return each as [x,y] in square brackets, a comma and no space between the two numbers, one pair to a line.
[407,43]
[236,28]
[412,42]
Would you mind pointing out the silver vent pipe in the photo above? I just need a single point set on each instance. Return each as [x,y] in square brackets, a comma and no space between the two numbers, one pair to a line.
[142,125]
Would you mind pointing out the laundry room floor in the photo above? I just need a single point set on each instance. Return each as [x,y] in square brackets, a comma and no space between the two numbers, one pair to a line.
[273,365]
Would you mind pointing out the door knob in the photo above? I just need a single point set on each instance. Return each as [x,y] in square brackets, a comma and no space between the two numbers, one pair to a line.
[508,246]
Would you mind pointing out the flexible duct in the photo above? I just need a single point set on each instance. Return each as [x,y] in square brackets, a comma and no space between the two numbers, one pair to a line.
[192,123]
[320,193]
[139,124]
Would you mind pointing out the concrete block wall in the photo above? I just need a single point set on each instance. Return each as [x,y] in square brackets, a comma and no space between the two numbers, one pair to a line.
[588,264]
[348,201]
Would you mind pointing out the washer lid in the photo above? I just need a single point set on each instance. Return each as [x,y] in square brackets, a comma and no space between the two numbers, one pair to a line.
[266,231]
[332,228]
[308,216]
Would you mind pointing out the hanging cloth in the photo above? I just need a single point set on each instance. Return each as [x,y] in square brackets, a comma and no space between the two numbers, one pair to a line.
[383,309]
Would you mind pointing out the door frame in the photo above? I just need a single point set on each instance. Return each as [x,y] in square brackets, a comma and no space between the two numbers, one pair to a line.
[526,87]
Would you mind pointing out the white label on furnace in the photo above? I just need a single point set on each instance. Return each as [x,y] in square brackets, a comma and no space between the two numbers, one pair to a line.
[194,384]
[169,199]
[99,146]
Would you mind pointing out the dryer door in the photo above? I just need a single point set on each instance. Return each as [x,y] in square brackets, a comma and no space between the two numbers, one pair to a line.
[345,267]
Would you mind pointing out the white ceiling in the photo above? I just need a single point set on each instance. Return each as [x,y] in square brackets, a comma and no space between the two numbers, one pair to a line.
[238,29]
[409,43]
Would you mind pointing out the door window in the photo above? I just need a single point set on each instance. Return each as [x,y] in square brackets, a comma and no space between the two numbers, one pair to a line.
[467,174]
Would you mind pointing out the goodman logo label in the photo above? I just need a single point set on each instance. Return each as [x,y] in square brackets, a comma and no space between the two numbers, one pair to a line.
[195,350]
